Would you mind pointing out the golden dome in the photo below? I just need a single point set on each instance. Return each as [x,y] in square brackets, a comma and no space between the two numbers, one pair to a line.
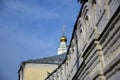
[63,39]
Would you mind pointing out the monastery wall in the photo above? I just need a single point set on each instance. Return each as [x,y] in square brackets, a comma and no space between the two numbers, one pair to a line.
[94,50]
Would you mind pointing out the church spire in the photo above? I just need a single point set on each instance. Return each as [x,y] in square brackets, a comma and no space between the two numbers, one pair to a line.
[63,42]
[63,38]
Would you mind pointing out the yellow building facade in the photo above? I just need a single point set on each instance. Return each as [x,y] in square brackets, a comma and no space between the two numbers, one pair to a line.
[39,69]
[33,71]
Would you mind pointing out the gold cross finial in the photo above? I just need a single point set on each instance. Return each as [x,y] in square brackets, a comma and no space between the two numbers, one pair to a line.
[63,29]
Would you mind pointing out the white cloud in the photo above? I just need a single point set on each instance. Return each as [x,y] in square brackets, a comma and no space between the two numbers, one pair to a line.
[15,34]
[31,11]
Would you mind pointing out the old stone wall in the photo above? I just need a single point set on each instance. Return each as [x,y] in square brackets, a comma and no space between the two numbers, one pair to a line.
[94,50]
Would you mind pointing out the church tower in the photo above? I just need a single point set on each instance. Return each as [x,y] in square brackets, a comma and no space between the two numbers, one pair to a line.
[63,44]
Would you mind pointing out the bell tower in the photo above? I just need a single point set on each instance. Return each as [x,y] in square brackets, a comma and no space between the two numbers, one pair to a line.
[63,43]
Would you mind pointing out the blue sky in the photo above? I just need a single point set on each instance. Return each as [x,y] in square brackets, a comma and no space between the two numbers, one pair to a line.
[31,29]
